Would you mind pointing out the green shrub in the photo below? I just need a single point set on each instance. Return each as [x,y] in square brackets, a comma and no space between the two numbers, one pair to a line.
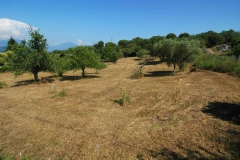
[136,75]
[60,94]
[219,64]
[125,98]
[3,84]
[4,68]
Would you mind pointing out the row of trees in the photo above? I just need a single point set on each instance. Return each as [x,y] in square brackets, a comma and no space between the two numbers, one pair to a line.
[140,47]
[32,57]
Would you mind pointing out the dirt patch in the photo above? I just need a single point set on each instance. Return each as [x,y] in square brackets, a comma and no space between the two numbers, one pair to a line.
[168,117]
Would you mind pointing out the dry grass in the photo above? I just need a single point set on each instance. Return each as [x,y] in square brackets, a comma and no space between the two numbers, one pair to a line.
[168,117]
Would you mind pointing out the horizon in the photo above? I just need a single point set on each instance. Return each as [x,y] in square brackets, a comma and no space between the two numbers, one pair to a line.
[88,22]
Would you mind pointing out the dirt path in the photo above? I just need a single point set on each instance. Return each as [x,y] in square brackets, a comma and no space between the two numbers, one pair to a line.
[209,51]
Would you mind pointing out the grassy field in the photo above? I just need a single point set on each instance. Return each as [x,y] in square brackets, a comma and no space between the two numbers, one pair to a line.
[192,115]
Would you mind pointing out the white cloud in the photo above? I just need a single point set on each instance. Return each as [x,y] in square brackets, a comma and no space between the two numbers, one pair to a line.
[16,29]
[80,42]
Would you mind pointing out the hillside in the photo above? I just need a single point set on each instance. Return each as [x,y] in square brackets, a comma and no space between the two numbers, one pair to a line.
[187,116]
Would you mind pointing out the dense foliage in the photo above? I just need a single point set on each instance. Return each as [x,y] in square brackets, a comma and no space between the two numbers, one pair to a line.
[219,64]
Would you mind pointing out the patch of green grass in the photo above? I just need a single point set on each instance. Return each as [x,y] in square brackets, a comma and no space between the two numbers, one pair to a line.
[124,99]
[60,94]
[136,75]
[3,84]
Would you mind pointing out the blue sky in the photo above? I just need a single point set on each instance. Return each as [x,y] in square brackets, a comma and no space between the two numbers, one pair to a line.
[89,21]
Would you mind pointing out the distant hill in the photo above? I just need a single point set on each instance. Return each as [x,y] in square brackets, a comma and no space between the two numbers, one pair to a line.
[63,46]
[3,48]
[3,44]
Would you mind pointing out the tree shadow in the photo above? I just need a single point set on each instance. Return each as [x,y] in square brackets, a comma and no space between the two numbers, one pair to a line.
[151,62]
[137,59]
[225,111]
[158,73]
[75,78]
[31,81]
[165,154]
[23,83]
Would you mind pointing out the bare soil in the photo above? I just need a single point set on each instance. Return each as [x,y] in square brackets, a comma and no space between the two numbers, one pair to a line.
[191,115]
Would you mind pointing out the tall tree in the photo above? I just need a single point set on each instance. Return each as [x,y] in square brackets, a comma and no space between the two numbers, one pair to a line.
[31,57]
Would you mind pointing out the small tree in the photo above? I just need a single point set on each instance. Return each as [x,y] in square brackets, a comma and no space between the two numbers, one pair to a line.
[31,57]
[60,64]
[84,57]
[11,44]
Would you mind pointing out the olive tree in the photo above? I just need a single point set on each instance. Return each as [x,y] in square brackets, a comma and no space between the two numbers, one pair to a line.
[177,52]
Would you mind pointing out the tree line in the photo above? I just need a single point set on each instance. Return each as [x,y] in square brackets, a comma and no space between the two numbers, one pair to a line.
[142,46]
[32,56]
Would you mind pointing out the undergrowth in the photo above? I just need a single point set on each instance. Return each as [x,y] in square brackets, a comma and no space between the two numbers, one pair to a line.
[219,64]
[3,84]
[124,97]
[60,94]
[136,75]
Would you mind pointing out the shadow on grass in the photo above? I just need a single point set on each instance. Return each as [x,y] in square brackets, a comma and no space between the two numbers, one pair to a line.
[232,147]
[31,81]
[137,59]
[152,63]
[158,73]
[74,78]
[165,154]
[225,111]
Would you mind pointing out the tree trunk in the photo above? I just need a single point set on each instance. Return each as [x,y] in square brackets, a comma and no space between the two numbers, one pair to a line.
[174,65]
[35,76]
[83,73]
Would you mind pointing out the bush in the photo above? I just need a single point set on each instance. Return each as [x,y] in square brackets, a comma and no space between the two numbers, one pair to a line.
[124,98]
[219,64]
[136,75]
[60,94]
[3,84]
[4,68]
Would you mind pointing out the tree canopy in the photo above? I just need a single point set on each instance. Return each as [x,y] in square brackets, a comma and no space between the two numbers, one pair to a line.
[177,51]
[82,57]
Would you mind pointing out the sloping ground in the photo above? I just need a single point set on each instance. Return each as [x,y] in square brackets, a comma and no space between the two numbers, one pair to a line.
[187,116]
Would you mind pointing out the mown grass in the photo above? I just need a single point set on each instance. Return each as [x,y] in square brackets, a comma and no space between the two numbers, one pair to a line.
[221,64]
